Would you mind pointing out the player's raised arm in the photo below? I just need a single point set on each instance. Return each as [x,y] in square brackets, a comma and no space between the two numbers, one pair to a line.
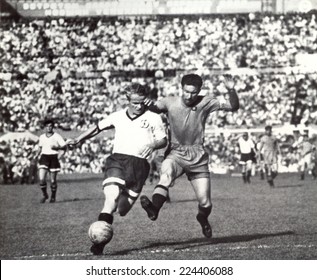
[233,97]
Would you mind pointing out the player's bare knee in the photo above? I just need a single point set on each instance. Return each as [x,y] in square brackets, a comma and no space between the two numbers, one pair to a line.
[165,179]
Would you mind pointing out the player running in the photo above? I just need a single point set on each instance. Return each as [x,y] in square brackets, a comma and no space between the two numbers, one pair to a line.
[305,150]
[247,150]
[187,116]
[49,145]
[137,133]
[269,148]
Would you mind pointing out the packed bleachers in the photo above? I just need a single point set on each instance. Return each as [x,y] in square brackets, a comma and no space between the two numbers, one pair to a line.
[74,70]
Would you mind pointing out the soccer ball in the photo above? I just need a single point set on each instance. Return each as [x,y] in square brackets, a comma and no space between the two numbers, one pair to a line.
[100,232]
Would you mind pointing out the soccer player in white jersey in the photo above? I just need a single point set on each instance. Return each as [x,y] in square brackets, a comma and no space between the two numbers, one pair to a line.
[247,152]
[270,149]
[187,115]
[49,145]
[137,133]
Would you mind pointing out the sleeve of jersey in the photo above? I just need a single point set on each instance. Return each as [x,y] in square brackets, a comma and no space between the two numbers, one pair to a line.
[108,122]
[158,128]
[61,140]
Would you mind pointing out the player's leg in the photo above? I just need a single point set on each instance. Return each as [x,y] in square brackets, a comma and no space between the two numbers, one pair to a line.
[53,177]
[248,171]
[126,201]
[201,186]
[243,171]
[42,178]
[170,170]
[54,169]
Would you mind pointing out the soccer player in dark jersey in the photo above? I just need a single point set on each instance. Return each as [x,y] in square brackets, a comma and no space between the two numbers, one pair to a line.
[187,115]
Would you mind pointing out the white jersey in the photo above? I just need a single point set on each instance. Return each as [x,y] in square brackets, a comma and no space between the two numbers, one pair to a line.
[133,135]
[245,145]
[46,143]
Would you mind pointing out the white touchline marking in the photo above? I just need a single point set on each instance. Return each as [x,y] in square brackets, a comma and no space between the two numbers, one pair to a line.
[167,250]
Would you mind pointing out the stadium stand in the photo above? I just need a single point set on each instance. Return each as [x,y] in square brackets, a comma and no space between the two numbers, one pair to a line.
[73,69]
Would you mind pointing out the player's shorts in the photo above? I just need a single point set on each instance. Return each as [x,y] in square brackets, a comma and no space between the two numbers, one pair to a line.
[192,160]
[244,158]
[306,159]
[49,162]
[128,172]
[269,157]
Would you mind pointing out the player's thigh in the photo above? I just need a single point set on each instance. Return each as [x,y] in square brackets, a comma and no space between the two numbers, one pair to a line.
[201,188]
[170,170]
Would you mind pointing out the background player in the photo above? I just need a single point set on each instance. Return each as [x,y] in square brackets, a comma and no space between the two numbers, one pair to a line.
[269,148]
[305,150]
[49,144]
[247,150]
[187,116]
[137,133]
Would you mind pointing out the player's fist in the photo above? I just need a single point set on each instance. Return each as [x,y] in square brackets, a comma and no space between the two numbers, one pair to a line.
[71,143]
[228,82]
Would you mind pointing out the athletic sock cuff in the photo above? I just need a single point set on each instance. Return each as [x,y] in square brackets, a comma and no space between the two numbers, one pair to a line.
[106,218]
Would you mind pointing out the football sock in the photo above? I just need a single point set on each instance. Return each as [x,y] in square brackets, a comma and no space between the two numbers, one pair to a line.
[204,211]
[106,217]
[158,200]
[54,189]
[44,189]
[244,177]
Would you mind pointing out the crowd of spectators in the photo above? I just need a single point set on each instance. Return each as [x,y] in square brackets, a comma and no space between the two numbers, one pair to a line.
[74,70]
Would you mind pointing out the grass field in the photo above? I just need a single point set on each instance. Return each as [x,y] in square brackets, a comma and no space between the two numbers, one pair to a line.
[250,222]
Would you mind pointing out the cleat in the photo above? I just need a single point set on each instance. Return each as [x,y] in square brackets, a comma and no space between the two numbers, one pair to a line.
[52,200]
[148,206]
[271,183]
[44,198]
[97,249]
[205,226]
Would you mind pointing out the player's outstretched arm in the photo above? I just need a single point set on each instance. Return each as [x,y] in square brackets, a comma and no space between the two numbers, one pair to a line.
[91,132]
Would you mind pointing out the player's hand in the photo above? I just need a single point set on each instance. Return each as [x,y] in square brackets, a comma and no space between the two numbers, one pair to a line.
[55,148]
[228,82]
[147,152]
[71,143]
[148,102]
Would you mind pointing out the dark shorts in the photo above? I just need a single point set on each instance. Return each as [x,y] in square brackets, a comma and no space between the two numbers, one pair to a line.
[126,171]
[245,158]
[49,162]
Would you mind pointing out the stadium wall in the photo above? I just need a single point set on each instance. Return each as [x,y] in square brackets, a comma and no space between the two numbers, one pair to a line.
[85,8]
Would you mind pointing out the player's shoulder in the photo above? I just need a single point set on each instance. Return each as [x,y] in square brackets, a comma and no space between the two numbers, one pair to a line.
[152,115]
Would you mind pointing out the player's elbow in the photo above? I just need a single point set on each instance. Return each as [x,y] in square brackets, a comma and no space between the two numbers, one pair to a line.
[235,107]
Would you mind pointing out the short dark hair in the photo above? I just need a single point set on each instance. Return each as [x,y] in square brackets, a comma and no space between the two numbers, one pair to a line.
[135,88]
[268,127]
[48,121]
[192,79]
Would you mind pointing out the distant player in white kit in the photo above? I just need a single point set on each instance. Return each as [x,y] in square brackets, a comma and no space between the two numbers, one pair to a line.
[247,150]
[137,133]
[49,144]
[187,115]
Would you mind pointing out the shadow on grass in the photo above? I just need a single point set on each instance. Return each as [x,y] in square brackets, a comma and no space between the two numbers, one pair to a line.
[197,242]
[81,179]
[287,186]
